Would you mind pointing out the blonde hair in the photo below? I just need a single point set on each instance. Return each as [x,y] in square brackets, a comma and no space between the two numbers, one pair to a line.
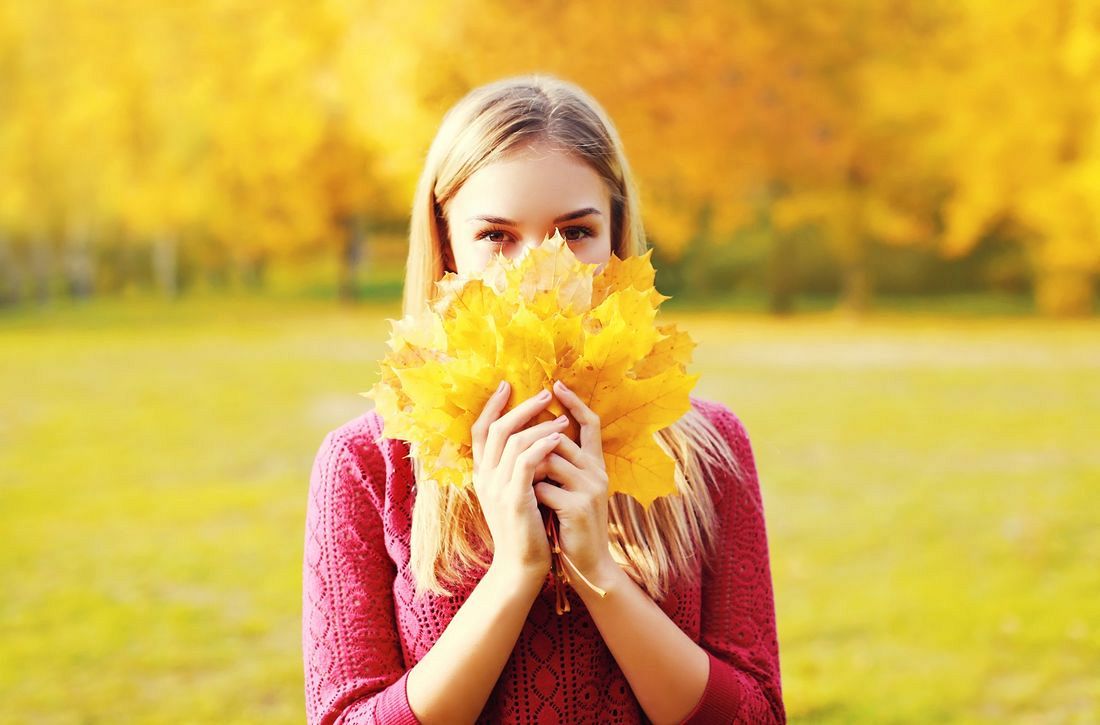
[450,538]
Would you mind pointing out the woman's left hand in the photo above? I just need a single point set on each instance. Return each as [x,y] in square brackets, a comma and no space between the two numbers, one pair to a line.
[581,501]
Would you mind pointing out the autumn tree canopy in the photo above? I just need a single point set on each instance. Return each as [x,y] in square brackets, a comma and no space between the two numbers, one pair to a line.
[252,131]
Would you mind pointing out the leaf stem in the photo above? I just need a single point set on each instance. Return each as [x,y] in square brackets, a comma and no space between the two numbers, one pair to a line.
[558,571]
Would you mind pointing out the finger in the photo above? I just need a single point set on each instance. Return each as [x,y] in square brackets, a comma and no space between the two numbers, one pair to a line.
[522,440]
[489,412]
[570,451]
[523,473]
[557,499]
[569,476]
[591,441]
[509,423]
[542,470]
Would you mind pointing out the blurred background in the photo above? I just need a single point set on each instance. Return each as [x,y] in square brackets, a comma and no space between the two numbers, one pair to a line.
[879,220]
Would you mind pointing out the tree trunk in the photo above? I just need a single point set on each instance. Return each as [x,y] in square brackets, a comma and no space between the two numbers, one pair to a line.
[351,257]
[11,284]
[41,268]
[856,284]
[166,264]
[855,292]
[78,261]
[255,272]
[218,266]
[781,283]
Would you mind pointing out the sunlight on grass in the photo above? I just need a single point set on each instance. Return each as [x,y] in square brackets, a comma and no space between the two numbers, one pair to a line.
[929,484]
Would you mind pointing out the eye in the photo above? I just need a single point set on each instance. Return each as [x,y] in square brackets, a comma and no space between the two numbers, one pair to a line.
[488,235]
[584,232]
[500,236]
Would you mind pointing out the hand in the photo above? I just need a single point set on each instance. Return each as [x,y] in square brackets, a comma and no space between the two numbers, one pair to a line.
[505,458]
[581,501]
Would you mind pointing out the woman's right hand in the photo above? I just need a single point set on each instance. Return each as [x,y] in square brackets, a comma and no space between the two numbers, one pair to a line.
[505,458]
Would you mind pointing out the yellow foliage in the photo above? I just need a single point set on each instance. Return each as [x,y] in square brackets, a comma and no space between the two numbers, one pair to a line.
[543,317]
[271,128]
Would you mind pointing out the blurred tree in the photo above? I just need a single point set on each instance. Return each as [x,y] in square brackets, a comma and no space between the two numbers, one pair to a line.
[1019,137]
[232,133]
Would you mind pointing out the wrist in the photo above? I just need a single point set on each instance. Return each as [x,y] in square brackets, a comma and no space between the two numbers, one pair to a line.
[607,575]
[522,580]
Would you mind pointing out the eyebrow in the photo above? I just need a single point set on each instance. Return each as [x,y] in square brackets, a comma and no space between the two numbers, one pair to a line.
[563,218]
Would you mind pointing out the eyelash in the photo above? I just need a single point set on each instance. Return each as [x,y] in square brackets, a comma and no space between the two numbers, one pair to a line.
[587,232]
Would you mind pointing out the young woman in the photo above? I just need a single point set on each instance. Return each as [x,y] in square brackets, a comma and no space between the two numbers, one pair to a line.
[435,605]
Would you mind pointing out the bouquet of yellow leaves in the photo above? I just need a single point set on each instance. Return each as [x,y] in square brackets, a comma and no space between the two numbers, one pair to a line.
[543,317]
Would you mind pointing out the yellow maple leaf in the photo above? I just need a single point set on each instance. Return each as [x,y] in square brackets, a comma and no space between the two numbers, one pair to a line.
[543,317]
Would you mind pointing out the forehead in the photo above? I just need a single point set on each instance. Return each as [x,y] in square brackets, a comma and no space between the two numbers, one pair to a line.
[532,184]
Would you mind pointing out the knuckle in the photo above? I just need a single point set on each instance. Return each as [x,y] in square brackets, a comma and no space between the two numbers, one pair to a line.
[523,438]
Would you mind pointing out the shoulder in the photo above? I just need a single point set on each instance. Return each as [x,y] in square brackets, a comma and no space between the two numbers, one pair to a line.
[727,423]
[732,431]
[358,449]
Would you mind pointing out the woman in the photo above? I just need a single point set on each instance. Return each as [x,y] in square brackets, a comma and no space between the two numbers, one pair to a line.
[434,605]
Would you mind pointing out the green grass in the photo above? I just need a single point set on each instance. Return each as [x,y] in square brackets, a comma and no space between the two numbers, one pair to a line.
[930,485]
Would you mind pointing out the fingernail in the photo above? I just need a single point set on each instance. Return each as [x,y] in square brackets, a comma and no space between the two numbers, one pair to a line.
[561,386]
[544,395]
[560,419]
[503,384]
[554,438]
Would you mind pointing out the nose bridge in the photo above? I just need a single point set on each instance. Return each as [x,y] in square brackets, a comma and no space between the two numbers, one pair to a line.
[529,241]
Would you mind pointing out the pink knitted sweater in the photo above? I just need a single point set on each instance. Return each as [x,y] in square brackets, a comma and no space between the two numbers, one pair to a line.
[362,629]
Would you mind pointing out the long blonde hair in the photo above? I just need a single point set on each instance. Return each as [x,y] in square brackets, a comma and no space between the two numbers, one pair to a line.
[450,538]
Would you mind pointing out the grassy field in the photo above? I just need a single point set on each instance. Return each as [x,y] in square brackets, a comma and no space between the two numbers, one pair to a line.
[931,485]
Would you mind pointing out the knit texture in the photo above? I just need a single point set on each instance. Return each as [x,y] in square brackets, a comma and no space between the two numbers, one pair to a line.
[362,628]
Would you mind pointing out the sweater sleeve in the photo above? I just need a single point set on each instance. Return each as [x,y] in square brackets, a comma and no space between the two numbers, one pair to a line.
[354,668]
[738,628]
